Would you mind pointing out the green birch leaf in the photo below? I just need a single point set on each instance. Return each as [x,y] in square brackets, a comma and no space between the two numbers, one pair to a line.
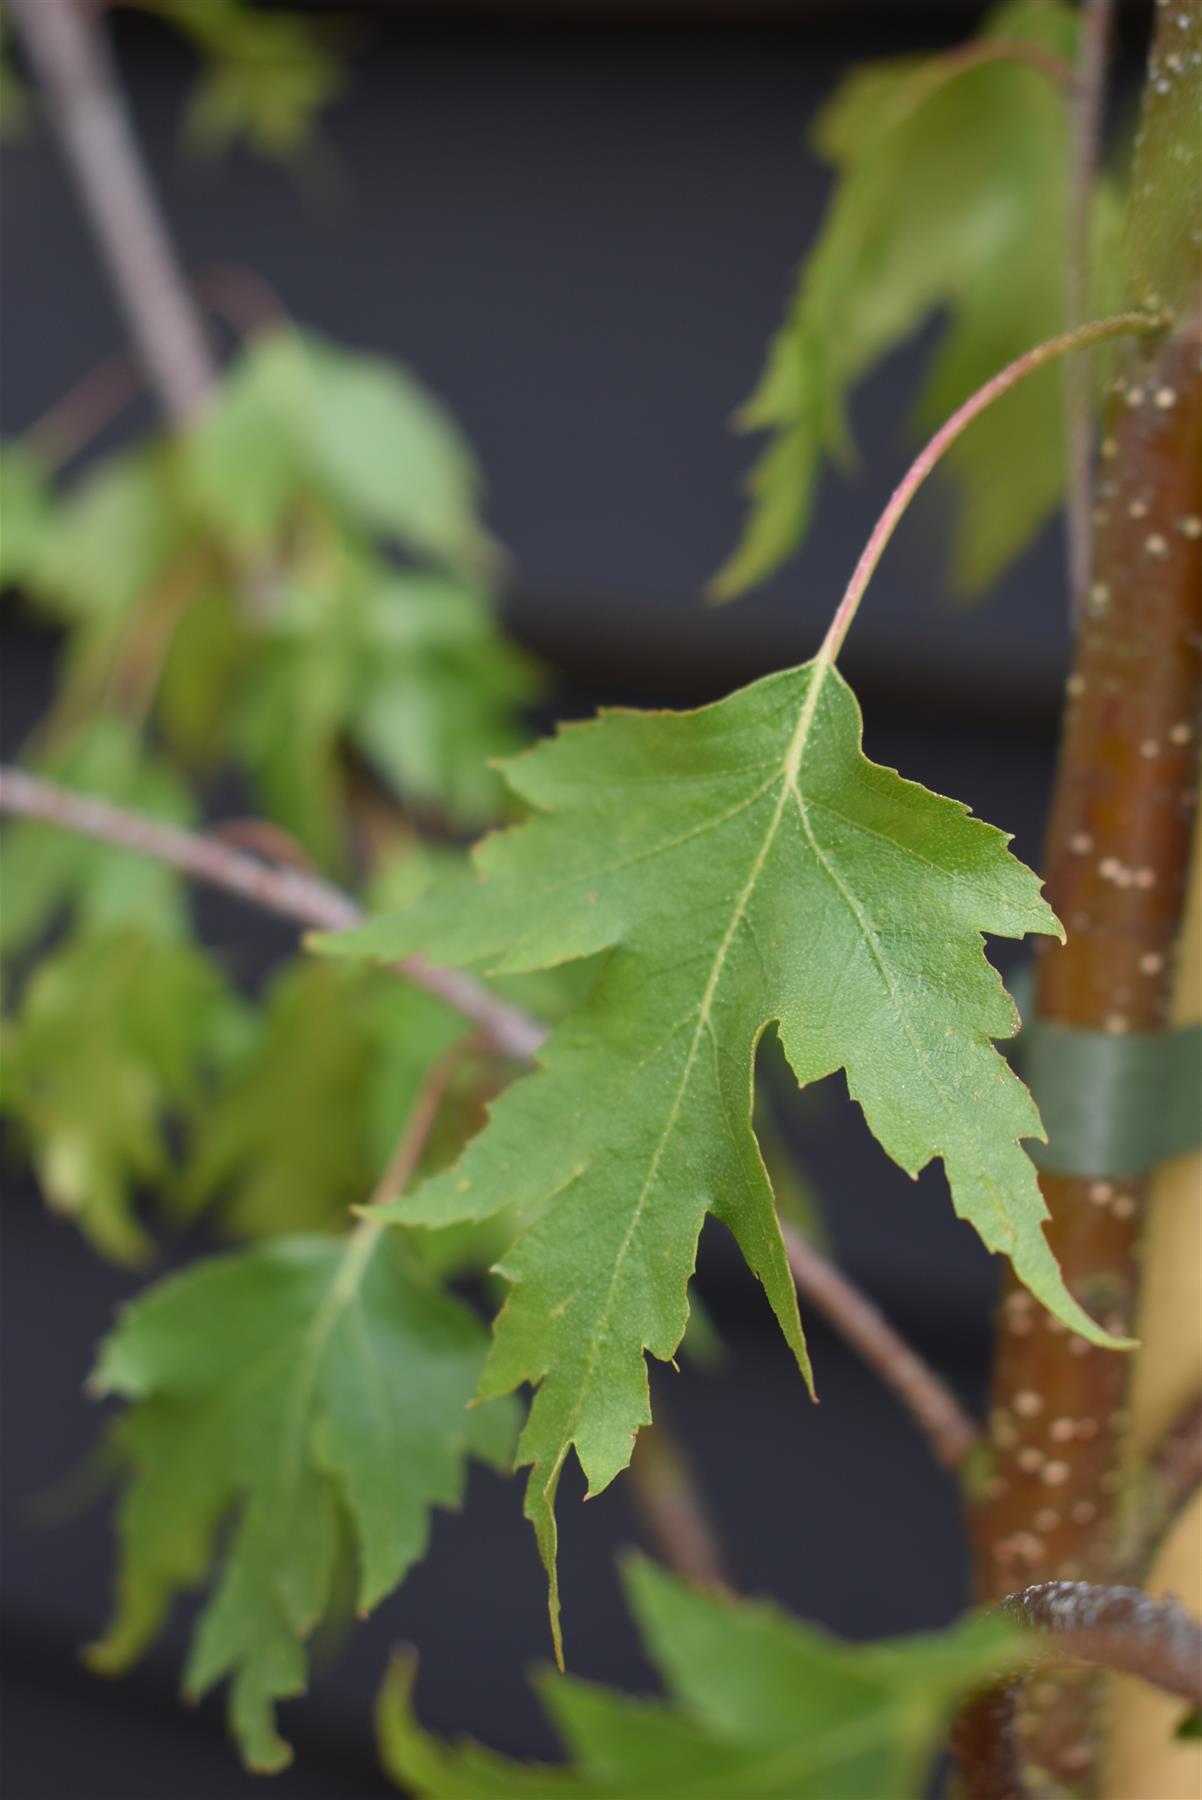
[282,1146]
[288,725]
[14,99]
[243,461]
[204,671]
[28,510]
[952,193]
[268,76]
[439,692]
[295,1391]
[759,1704]
[407,667]
[109,1043]
[115,531]
[119,556]
[296,413]
[745,865]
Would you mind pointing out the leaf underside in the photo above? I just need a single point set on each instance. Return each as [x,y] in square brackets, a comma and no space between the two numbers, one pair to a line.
[744,865]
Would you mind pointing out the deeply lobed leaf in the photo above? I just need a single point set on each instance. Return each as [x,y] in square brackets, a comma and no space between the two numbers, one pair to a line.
[298,1390]
[744,865]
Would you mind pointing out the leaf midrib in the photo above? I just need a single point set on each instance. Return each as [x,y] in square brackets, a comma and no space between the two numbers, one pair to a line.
[789,772]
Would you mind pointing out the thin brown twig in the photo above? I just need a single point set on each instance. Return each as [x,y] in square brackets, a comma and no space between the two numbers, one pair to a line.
[68,52]
[983,51]
[941,70]
[948,1429]
[63,430]
[247,303]
[1065,343]
[1114,1628]
[266,839]
[1089,95]
[369,1229]
[304,899]
[669,1501]
[415,1135]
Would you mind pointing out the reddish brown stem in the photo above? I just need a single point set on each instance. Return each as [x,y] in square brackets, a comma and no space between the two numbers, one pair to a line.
[240,296]
[667,1497]
[84,410]
[248,304]
[1117,858]
[1067,343]
[930,1403]
[1004,50]
[1117,861]
[304,899]
[415,1135]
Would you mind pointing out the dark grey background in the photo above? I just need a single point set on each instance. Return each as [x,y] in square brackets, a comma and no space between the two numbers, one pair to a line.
[580,232]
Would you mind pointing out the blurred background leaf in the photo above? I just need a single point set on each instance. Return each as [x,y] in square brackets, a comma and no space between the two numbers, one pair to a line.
[952,184]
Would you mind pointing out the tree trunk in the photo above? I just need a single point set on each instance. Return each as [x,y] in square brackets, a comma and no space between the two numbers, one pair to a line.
[1117,857]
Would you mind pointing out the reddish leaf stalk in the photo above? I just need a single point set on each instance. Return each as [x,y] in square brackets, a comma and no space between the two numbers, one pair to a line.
[979,54]
[1084,337]
[415,1135]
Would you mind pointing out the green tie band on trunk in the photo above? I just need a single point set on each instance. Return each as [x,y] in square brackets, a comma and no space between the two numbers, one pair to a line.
[1113,1103]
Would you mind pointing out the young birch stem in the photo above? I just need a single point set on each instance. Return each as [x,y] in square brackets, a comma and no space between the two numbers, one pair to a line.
[304,899]
[1089,94]
[1117,860]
